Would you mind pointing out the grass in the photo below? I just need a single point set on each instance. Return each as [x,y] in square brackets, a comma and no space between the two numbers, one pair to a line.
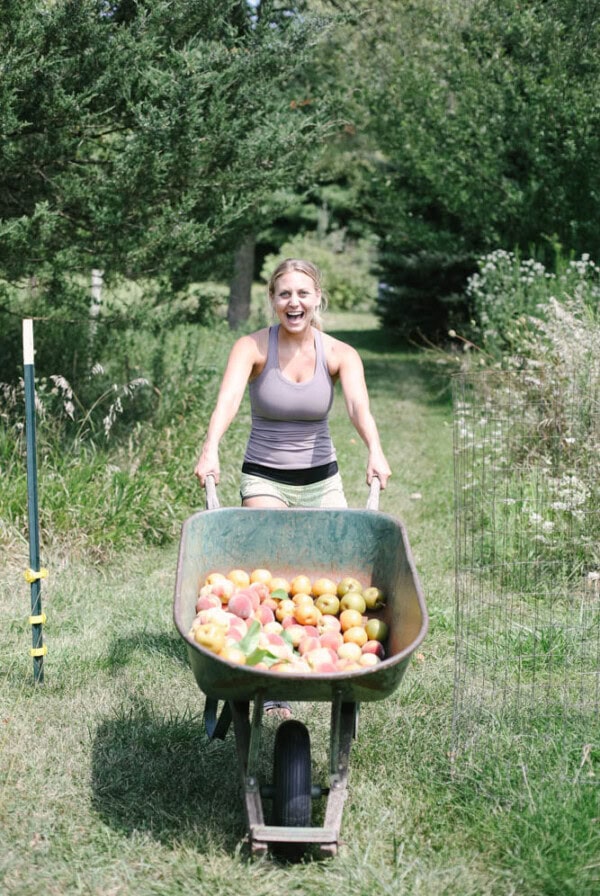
[109,786]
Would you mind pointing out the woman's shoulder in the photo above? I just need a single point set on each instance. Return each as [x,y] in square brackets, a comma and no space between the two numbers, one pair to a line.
[338,353]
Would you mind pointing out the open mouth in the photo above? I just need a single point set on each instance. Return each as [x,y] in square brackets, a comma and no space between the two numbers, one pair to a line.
[294,315]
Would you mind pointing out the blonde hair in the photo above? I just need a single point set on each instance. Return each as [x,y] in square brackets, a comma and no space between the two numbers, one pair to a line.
[304,267]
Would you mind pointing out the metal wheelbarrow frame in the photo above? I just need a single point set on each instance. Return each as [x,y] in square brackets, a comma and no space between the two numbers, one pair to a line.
[367,544]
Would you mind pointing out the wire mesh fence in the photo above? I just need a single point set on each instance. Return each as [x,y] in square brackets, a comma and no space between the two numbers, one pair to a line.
[527,515]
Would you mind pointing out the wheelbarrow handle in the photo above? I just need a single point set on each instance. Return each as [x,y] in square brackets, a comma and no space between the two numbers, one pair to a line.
[374,489]
[212,502]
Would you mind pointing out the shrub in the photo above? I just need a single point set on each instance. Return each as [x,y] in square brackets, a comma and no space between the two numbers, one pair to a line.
[347,267]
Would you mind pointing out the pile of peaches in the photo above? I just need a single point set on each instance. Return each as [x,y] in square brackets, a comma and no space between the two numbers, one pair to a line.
[296,626]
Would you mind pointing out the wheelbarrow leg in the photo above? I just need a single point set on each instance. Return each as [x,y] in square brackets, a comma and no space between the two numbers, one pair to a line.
[247,738]
[343,730]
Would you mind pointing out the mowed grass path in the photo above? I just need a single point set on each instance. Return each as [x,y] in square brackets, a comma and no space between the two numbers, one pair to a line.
[108,784]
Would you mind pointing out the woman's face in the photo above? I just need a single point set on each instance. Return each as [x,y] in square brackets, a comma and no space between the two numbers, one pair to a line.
[295,298]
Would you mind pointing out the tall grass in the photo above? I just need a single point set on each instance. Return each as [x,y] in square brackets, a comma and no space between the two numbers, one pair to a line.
[108,783]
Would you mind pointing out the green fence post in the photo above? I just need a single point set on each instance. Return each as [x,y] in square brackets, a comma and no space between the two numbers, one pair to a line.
[34,574]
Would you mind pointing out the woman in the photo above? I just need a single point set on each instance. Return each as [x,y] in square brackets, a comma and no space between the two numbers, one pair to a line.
[291,369]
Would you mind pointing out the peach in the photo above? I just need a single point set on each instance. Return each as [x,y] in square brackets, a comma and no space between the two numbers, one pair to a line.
[350,619]
[264,614]
[241,605]
[300,583]
[214,614]
[356,634]
[206,601]
[296,632]
[349,651]
[261,589]
[309,643]
[369,659]
[223,590]
[333,640]
[213,577]
[307,614]
[273,627]
[374,647]
[278,583]
[260,575]
[323,585]
[329,624]
[233,654]
[285,608]
[239,577]
[301,597]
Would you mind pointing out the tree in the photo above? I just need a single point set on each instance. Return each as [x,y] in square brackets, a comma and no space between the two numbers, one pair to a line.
[486,115]
[143,137]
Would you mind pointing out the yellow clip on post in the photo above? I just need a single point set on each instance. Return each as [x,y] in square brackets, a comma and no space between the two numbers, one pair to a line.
[38,651]
[36,620]
[32,576]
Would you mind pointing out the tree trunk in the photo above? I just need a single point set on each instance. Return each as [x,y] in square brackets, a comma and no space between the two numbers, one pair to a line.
[240,289]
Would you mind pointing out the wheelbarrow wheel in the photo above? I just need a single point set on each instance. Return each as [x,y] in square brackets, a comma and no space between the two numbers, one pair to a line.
[292,803]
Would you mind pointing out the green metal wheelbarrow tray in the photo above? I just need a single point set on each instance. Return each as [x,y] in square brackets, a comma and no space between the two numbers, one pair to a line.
[367,544]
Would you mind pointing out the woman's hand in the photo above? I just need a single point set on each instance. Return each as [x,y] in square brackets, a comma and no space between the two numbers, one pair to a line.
[208,465]
[378,466]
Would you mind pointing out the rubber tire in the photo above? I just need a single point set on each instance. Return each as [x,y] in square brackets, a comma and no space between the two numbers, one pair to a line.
[292,803]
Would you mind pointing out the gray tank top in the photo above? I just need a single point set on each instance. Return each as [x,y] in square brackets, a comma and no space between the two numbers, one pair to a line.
[289,420]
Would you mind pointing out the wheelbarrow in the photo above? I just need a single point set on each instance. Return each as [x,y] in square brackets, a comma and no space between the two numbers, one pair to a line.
[366,544]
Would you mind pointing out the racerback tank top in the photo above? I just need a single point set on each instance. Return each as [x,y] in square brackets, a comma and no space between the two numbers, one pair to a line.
[290,430]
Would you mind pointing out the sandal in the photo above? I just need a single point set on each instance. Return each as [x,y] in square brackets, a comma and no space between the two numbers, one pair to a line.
[277,709]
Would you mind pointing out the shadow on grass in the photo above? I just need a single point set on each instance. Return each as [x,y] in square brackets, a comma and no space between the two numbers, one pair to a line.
[163,776]
[124,650]
[398,368]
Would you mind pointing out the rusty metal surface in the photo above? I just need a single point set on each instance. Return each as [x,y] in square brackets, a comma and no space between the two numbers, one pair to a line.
[369,545]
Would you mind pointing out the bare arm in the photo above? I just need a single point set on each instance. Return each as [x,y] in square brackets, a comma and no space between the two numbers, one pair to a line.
[356,396]
[242,358]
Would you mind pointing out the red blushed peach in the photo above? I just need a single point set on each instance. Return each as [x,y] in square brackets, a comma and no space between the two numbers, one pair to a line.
[308,643]
[206,601]
[223,589]
[241,605]
[237,628]
[262,591]
[288,621]
[321,656]
[264,614]
[252,595]
[271,602]
[333,640]
[329,624]
[311,630]
[374,647]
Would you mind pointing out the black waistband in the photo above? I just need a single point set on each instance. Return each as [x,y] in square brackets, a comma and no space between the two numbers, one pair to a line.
[292,477]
